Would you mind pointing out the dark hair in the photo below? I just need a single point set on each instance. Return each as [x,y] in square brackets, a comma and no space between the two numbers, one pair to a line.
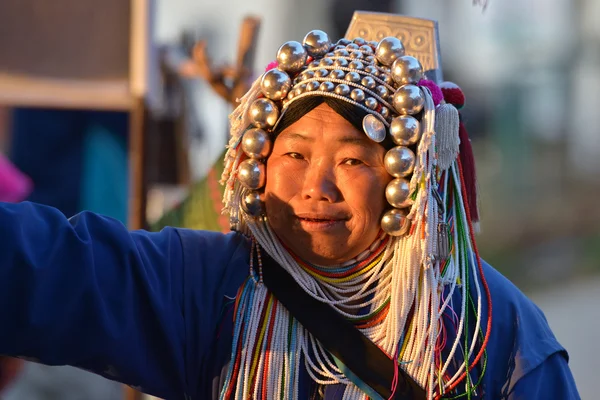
[346,110]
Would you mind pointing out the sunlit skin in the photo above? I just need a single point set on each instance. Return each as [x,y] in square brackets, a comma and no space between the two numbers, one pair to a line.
[325,188]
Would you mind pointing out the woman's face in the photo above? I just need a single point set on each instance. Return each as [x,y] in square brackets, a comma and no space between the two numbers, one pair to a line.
[325,188]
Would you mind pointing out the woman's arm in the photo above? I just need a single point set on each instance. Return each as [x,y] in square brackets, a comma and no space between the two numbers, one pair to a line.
[87,292]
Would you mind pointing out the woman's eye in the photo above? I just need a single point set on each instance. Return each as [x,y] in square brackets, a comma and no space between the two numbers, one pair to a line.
[296,156]
[352,161]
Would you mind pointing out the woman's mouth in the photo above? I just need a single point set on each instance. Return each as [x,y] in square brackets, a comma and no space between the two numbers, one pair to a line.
[319,223]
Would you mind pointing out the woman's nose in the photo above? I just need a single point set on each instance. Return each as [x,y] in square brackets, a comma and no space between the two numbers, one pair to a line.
[320,183]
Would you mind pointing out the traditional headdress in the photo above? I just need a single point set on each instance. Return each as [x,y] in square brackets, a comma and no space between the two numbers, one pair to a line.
[429,253]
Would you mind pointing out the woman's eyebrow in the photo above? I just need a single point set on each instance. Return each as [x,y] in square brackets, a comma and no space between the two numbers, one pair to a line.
[295,136]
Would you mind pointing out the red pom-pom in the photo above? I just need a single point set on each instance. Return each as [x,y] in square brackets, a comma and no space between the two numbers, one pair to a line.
[453,94]
[272,65]
[436,92]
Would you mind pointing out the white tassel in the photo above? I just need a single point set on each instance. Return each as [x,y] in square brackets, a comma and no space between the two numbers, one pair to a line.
[446,127]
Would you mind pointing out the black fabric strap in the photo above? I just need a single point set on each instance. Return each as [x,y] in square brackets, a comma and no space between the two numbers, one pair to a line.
[339,336]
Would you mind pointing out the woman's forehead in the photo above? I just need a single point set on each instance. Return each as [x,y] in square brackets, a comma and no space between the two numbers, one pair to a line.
[323,115]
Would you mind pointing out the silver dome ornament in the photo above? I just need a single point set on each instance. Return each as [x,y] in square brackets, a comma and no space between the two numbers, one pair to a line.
[275,84]
[356,54]
[291,94]
[263,113]
[374,128]
[405,130]
[306,75]
[395,223]
[387,78]
[407,69]
[370,59]
[253,204]
[342,89]
[256,143]
[368,82]
[356,64]
[327,86]
[317,43]
[291,56]
[321,73]
[366,49]
[397,193]
[385,112]
[326,62]
[352,77]
[382,91]
[343,42]
[341,62]
[251,174]
[312,86]
[337,74]
[371,69]
[371,103]
[299,89]
[359,41]
[352,46]
[409,99]
[357,95]
[399,161]
[341,53]
[388,50]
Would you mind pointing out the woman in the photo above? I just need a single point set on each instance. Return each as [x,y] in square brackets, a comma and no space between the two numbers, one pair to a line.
[345,188]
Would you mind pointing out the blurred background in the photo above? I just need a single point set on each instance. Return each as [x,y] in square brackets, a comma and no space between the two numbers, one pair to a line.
[121,107]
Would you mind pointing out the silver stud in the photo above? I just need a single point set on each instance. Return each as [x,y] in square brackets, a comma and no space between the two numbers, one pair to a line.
[357,95]
[395,223]
[397,193]
[327,86]
[405,130]
[291,56]
[341,53]
[382,91]
[388,50]
[407,69]
[371,69]
[309,74]
[317,43]
[352,46]
[343,42]
[370,59]
[359,41]
[341,62]
[368,82]
[312,86]
[371,103]
[356,64]
[356,54]
[409,99]
[300,89]
[253,204]
[353,77]
[387,78]
[275,84]
[385,112]
[374,128]
[251,174]
[256,143]
[337,74]
[325,62]
[291,94]
[342,89]
[399,161]
[321,73]
[366,49]
[263,113]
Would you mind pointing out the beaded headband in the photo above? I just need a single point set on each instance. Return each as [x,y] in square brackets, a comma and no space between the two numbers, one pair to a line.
[375,76]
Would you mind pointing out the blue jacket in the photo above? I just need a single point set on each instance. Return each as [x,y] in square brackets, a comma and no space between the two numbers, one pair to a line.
[154,310]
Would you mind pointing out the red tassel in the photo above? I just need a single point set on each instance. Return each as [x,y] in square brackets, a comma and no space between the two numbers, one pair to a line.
[468,164]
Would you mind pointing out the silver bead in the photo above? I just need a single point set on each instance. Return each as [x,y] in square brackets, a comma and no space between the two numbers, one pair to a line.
[371,103]
[356,64]
[341,53]
[385,112]
[339,47]
[342,89]
[321,73]
[309,74]
[256,143]
[337,74]
[275,84]
[352,46]
[382,91]
[291,56]
[405,130]
[263,113]
[317,43]
[372,43]
[357,95]
[397,193]
[368,82]
[387,78]
[343,42]
[370,59]
[409,99]
[366,49]
[253,204]
[359,41]
[300,89]
[353,77]
[341,62]
[371,69]
[374,128]
[388,50]
[327,86]
[291,94]
[407,69]
[312,86]
[251,174]
[356,54]
[325,62]
[395,223]
[399,161]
